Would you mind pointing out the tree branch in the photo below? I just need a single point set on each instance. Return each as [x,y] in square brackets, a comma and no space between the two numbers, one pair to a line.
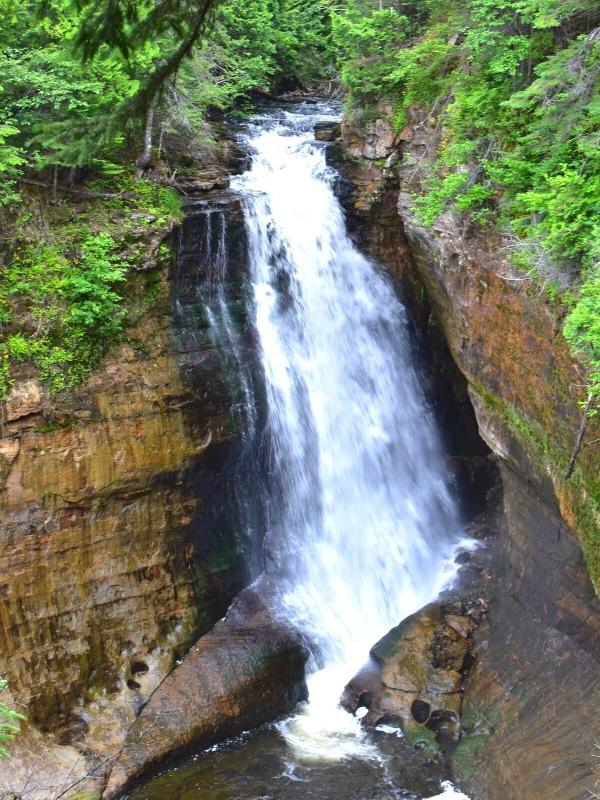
[582,427]
[77,192]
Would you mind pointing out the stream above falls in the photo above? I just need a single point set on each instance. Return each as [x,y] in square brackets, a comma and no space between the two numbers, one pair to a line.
[362,528]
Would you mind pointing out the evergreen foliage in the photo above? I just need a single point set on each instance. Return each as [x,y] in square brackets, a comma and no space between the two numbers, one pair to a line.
[76,82]
[514,85]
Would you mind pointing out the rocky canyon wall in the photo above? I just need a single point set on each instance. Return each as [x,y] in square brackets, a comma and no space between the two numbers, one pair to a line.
[120,543]
[530,727]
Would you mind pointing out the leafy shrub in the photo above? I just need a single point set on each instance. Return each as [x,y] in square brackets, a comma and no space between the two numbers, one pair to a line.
[582,327]
[367,45]
[11,159]
[74,306]
[8,728]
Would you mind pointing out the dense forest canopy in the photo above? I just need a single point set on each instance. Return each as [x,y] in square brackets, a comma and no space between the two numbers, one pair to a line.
[79,76]
[511,88]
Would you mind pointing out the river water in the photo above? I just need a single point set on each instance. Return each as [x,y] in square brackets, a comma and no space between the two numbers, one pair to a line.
[362,526]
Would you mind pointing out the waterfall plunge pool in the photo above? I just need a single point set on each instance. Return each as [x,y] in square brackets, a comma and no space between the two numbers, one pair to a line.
[260,766]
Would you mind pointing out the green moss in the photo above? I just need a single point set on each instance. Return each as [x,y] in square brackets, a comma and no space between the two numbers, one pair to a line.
[225,558]
[478,722]
[55,425]
[551,457]
[86,796]
[466,759]
[586,509]
[153,278]
[416,734]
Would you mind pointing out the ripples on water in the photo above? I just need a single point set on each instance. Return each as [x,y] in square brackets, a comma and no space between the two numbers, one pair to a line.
[261,766]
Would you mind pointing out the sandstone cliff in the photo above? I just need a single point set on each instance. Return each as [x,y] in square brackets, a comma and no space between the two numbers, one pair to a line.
[530,728]
[119,538]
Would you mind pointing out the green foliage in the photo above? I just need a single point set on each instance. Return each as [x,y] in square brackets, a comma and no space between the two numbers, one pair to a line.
[73,305]
[422,71]
[582,327]
[64,115]
[8,726]
[254,46]
[67,289]
[304,47]
[513,87]
[124,25]
[367,45]
[568,205]
[91,112]
[441,190]
[519,101]
[10,160]
[61,104]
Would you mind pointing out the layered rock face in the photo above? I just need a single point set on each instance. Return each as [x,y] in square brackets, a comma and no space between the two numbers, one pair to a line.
[119,538]
[530,727]
[247,670]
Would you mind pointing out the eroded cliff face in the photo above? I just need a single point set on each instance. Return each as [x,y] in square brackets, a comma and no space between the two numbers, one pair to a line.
[119,540]
[530,727]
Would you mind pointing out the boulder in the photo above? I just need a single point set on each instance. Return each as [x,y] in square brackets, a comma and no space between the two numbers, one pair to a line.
[247,670]
[327,131]
[416,672]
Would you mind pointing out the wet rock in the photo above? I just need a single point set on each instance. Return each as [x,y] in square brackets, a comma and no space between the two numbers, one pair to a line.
[327,131]
[249,669]
[417,670]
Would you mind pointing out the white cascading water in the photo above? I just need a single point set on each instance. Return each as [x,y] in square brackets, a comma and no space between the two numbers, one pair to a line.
[364,524]
[216,308]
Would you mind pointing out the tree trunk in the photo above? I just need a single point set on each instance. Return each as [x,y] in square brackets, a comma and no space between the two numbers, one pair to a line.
[143,161]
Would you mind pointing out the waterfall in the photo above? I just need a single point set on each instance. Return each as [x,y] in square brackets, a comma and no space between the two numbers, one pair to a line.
[216,344]
[362,522]
[213,296]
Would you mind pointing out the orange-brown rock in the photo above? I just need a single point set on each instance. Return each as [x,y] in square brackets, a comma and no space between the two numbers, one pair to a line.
[374,139]
[247,670]
[117,546]
[529,712]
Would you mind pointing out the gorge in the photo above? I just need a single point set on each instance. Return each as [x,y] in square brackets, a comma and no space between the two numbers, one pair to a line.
[335,355]
[237,252]
[299,452]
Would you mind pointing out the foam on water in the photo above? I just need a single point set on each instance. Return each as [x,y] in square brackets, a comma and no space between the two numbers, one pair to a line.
[449,793]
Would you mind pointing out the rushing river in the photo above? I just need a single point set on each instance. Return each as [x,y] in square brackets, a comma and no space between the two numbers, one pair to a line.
[362,528]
